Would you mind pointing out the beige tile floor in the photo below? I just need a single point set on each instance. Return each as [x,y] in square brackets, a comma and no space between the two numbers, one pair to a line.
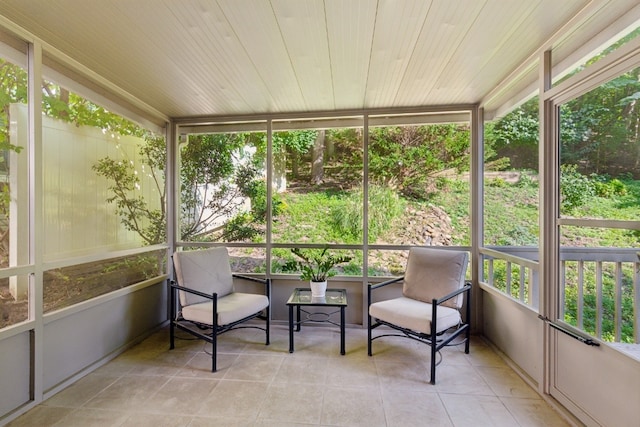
[258,385]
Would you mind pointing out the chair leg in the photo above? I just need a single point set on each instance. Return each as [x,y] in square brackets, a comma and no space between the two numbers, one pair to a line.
[467,336]
[433,360]
[434,341]
[214,334]
[369,344]
[214,349]
[172,314]
[268,325]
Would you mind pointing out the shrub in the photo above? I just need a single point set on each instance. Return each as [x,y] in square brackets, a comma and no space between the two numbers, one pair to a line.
[384,206]
[257,191]
[497,182]
[240,228]
[575,188]
[527,180]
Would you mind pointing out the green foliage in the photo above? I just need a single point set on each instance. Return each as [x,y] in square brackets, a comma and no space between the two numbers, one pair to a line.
[297,141]
[499,164]
[607,306]
[317,264]
[517,235]
[497,182]
[59,103]
[406,156]
[511,214]
[216,171]
[135,214]
[575,188]
[240,228]
[256,190]
[606,187]
[527,180]
[519,127]
[385,205]
[130,206]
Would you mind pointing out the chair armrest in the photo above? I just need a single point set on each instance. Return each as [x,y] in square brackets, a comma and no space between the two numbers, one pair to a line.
[385,283]
[465,288]
[262,280]
[371,287]
[177,287]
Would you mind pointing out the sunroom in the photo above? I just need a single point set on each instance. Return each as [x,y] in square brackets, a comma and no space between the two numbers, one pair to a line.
[131,130]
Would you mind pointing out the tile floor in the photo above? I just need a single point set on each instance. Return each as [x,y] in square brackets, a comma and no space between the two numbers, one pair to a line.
[258,385]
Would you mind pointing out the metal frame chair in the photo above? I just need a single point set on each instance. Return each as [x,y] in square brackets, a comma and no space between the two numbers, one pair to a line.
[430,316]
[203,300]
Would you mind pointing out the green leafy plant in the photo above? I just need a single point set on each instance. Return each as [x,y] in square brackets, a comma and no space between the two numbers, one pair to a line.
[385,206]
[317,265]
[575,188]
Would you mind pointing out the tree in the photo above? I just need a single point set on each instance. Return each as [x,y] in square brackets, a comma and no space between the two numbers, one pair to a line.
[215,174]
[133,209]
[406,156]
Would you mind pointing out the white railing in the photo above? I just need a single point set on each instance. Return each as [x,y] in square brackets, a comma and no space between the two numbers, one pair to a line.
[600,282]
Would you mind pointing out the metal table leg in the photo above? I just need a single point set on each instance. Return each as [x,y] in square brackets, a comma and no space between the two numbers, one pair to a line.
[342,330]
[291,328]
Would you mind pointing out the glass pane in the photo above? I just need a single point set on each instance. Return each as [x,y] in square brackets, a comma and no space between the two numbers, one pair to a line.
[320,201]
[103,189]
[419,191]
[600,151]
[223,188]
[70,285]
[103,179]
[14,180]
[511,178]
[14,302]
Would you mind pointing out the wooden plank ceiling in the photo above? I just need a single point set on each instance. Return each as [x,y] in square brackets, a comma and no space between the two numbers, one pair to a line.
[237,57]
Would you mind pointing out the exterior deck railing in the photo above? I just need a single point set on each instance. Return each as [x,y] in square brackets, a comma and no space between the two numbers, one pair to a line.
[601,286]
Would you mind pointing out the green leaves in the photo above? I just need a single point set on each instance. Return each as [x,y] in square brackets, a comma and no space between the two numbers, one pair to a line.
[316,264]
[130,206]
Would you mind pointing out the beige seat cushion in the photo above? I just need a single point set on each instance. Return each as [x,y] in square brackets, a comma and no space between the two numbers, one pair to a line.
[206,270]
[231,308]
[434,273]
[413,314]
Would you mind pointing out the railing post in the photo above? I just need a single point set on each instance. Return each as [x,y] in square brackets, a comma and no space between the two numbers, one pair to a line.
[534,290]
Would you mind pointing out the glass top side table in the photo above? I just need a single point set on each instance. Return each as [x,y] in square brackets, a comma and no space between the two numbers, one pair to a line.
[302,297]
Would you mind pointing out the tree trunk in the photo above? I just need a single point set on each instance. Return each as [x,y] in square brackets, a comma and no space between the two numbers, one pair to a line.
[317,159]
[64,97]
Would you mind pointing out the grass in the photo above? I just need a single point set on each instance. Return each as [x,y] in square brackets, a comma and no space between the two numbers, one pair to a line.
[510,215]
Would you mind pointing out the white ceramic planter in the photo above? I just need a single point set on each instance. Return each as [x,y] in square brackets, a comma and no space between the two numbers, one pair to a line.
[318,289]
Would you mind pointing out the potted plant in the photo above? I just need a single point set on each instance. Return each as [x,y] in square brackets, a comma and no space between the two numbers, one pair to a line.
[316,266]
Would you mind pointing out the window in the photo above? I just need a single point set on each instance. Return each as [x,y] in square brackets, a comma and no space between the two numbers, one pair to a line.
[103,182]
[419,192]
[14,173]
[223,190]
[511,178]
[417,167]
[599,207]
[319,200]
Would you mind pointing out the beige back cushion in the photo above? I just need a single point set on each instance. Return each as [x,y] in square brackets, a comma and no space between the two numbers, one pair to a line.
[434,273]
[206,270]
